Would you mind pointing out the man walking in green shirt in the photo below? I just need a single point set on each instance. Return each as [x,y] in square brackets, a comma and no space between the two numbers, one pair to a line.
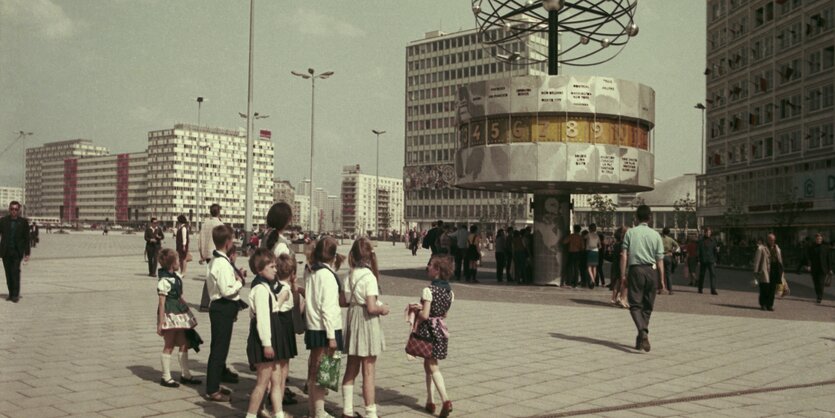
[642,259]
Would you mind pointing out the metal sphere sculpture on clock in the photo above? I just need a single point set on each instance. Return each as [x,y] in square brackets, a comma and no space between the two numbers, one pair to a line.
[592,31]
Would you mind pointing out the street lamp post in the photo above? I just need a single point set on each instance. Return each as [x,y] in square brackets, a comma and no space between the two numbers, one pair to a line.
[198,196]
[21,136]
[312,77]
[702,107]
[377,188]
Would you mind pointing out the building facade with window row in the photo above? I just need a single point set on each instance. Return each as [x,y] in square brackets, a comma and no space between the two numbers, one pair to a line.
[436,66]
[770,142]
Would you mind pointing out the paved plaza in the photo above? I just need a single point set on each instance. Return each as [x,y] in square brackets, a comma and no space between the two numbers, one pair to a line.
[82,342]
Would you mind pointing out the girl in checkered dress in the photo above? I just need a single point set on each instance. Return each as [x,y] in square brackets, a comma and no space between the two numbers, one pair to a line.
[434,304]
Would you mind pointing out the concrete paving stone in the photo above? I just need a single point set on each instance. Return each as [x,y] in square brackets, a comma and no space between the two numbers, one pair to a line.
[626,413]
[127,400]
[82,407]
[513,410]
[6,406]
[47,400]
[129,412]
[40,412]
[43,390]
[86,395]
[659,411]
[176,405]
[19,376]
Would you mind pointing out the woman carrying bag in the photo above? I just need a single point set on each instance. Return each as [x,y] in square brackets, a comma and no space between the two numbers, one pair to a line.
[768,271]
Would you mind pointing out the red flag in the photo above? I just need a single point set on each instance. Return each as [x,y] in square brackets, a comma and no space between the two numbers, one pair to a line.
[265,134]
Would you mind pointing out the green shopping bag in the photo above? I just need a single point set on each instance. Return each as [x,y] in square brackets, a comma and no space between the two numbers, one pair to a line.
[328,375]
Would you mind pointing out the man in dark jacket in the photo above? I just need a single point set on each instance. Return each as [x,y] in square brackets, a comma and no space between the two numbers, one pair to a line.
[707,250]
[153,243]
[817,256]
[14,247]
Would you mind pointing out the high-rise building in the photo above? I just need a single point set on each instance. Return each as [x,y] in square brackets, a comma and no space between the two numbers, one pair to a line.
[365,211]
[770,151]
[436,66]
[110,188]
[332,219]
[192,167]
[8,195]
[301,212]
[283,191]
[303,188]
[52,151]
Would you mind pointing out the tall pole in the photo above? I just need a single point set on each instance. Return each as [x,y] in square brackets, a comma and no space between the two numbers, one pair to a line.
[377,191]
[312,116]
[249,139]
[553,41]
[199,195]
[22,138]
[703,140]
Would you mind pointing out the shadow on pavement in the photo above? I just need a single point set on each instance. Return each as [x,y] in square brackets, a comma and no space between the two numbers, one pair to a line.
[727,305]
[589,340]
[592,302]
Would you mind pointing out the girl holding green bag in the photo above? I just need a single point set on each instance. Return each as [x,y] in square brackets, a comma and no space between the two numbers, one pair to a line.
[323,299]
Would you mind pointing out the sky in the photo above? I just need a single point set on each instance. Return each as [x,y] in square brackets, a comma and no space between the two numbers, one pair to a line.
[112,70]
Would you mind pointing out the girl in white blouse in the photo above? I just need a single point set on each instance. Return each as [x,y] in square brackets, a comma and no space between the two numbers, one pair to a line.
[364,339]
[323,317]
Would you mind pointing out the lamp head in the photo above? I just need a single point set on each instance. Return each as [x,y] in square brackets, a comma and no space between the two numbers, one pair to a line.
[378,132]
[325,75]
[310,71]
[199,99]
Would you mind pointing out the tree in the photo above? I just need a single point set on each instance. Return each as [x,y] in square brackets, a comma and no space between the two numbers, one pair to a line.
[506,213]
[685,212]
[787,209]
[603,209]
[735,219]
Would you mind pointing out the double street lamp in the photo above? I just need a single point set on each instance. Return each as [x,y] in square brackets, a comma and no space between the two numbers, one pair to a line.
[377,188]
[312,76]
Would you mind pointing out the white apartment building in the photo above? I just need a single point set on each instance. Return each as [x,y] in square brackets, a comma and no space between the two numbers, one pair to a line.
[190,168]
[301,212]
[332,214]
[8,195]
[770,135]
[52,151]
[283,191]
[436,66]
[92,189]
[365,212]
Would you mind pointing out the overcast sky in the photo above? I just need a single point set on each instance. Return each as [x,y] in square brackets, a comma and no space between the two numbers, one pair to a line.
[110,71]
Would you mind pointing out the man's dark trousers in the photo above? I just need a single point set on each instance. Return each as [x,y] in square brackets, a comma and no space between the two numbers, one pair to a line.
[222,313]
[711,268]
[459,260]
[152,251]
[767,291]
[11,264]
[668,272]
[641,283]
[573,268]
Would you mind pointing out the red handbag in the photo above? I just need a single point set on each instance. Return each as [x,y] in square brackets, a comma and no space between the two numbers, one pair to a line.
[418,347]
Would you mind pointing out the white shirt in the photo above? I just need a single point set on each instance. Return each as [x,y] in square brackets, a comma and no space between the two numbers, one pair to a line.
[461,238]
[205,242]
[259,309]
[222,282]
[164,284]
[184,228]
[322,311]
[361,283]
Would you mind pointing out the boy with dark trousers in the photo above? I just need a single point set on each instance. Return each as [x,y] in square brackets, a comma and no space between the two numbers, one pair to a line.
[224,286]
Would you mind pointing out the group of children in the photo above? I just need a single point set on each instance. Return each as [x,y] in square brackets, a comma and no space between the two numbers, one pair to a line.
[272,334]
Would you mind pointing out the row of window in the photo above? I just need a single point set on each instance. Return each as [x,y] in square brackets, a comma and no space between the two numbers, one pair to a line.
[791,69]
[456,42]
[820,136]
[493,212]
[463,73]
[761,114]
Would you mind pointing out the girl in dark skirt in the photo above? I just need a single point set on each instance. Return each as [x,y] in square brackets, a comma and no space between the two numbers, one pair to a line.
[173,318]
[271,343]
[323,316]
